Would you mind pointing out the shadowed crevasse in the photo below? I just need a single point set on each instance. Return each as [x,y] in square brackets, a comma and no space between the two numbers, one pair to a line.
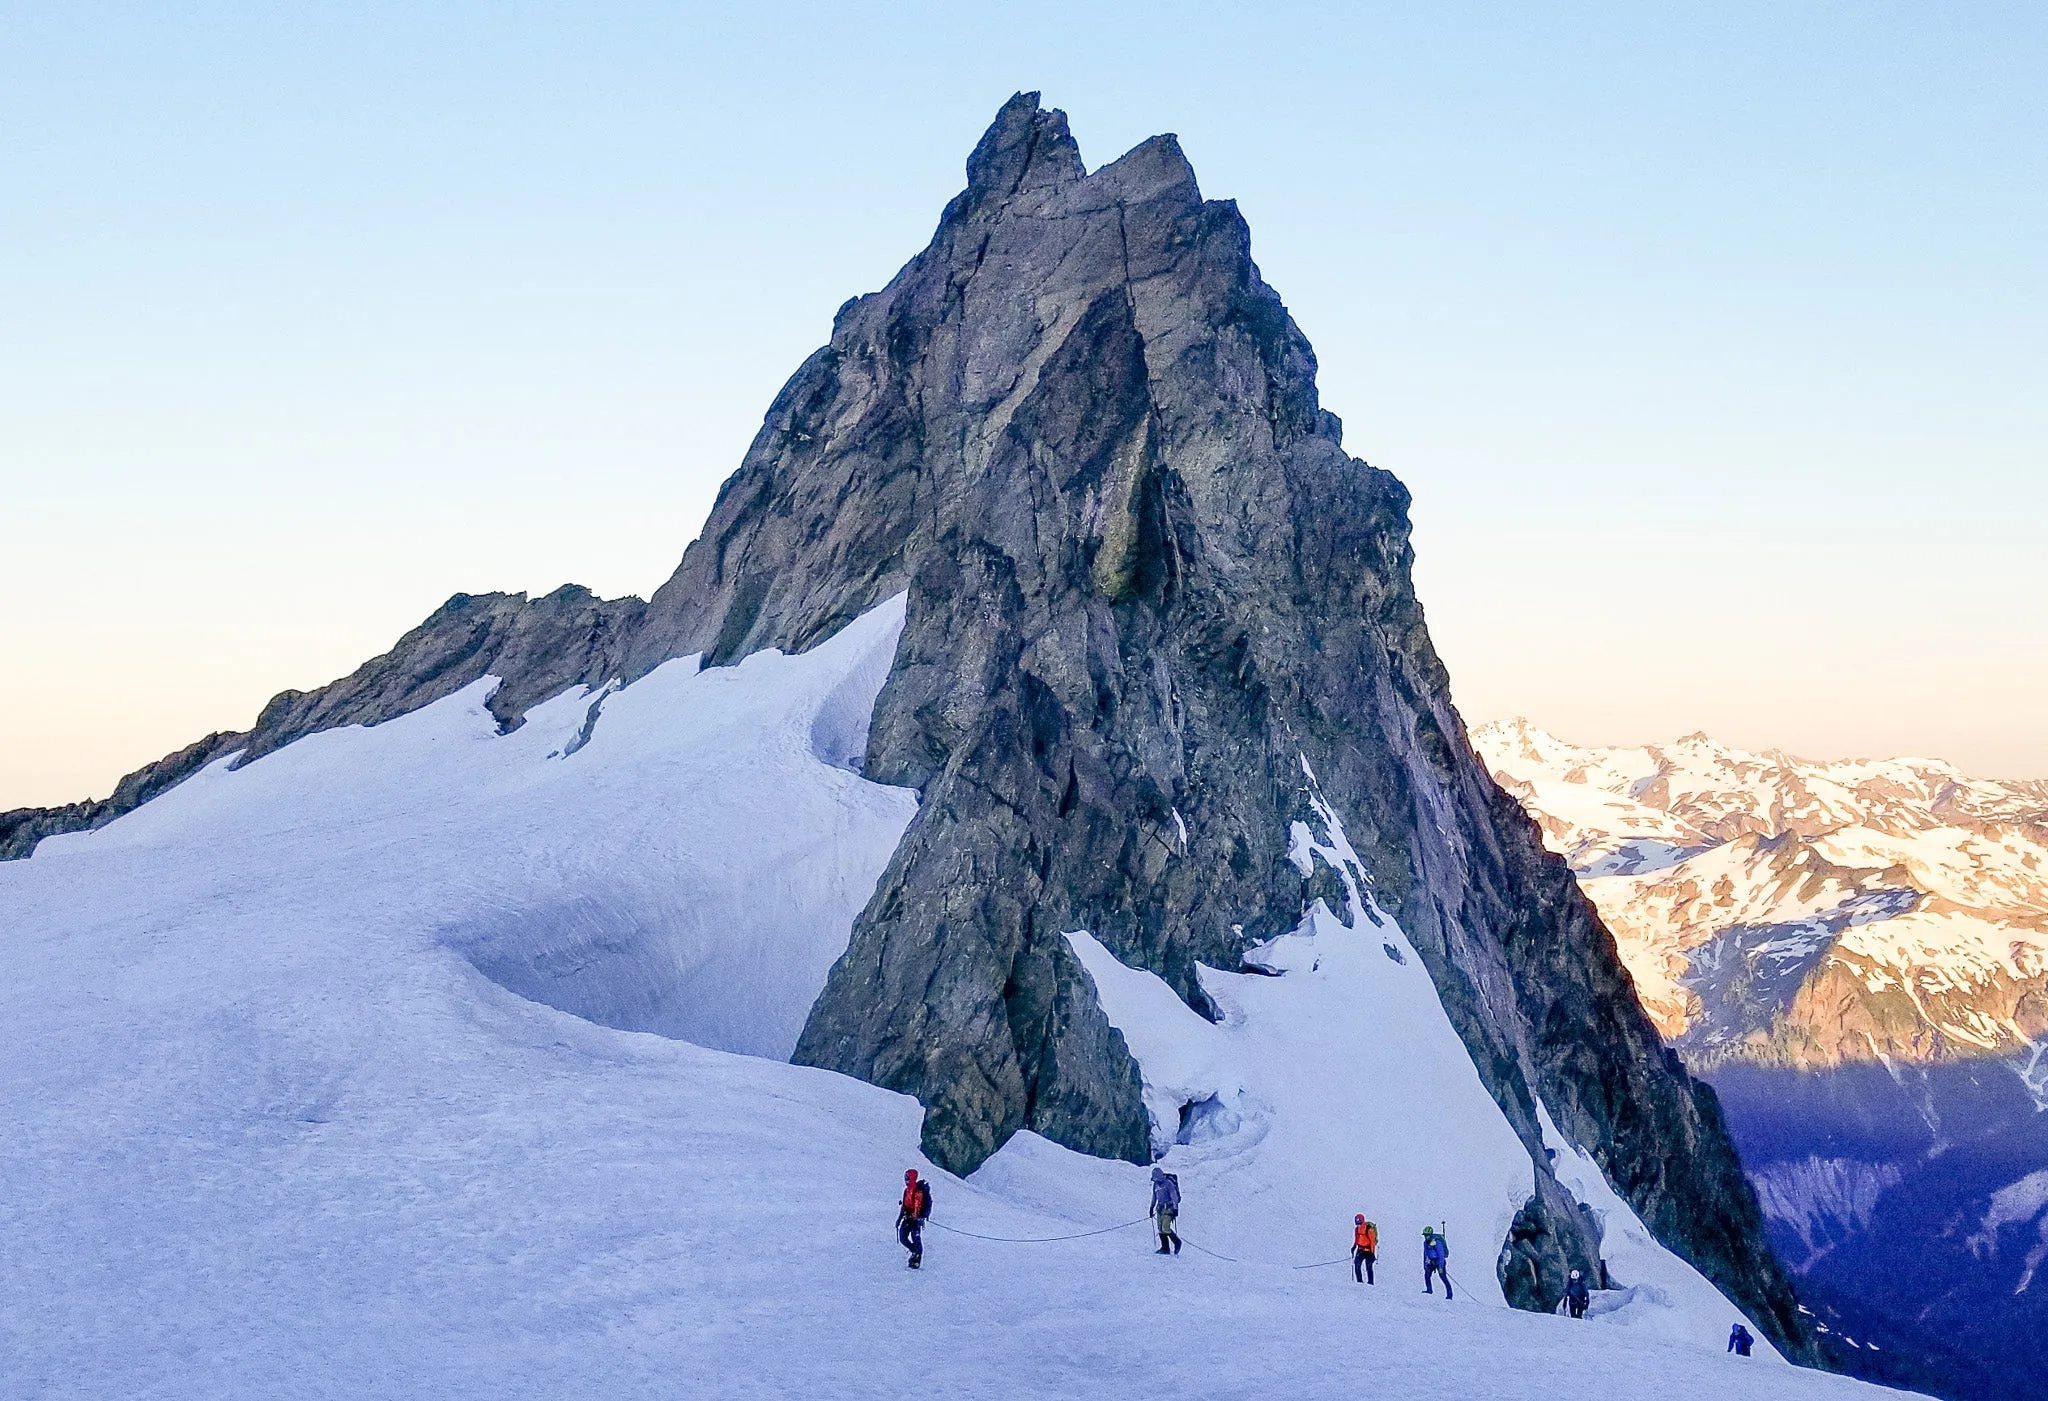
[1145,583]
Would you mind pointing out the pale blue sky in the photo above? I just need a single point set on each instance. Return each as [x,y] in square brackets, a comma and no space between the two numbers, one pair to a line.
[1709,339]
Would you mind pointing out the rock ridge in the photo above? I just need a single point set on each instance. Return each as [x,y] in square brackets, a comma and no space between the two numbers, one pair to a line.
[1148,592]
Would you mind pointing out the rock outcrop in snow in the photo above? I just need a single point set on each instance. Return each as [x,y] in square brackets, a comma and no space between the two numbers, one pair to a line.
[1158,626]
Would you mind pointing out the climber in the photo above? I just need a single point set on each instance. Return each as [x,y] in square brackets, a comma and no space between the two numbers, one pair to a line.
[1365,1248]
[1576,1295]
[911,1214]
[1739,1340]
[1166,1210]
[1436,1260]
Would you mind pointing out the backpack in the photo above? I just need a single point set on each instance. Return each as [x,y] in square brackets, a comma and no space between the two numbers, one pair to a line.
[924,1200]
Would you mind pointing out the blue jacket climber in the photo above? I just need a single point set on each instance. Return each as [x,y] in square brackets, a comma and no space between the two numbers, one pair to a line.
[1436,1261]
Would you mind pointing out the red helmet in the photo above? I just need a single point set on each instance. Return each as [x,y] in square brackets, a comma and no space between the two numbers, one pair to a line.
[910,1175]
[1359,1219]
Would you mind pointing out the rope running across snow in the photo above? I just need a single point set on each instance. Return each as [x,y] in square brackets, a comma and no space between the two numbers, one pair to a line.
[1038,1240]
[1215,1255]
[1124,1226]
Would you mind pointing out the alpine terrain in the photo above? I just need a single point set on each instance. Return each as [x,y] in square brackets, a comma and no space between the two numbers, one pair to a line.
[1856,953]
[1037,770]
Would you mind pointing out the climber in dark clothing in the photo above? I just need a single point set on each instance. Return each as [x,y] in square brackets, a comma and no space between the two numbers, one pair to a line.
[1436,1260]
[1576,1295]
[1739,1340]
[912,1212]
[1166,1210]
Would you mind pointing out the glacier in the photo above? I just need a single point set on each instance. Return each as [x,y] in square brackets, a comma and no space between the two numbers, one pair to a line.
[429,1059]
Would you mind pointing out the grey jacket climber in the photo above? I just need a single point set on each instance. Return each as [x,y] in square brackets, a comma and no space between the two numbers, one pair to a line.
[1166,1210]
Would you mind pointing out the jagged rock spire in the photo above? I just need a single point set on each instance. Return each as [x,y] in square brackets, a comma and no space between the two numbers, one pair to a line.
[1145,584]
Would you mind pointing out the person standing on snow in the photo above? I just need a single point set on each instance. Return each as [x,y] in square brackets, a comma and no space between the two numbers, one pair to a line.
[911,1213]
[1365,1248]
[1436,1260]
[1576,1295]
[1739,1341]
[1166,1210]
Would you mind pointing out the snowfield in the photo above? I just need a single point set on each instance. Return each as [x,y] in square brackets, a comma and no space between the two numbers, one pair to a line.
[422,1060]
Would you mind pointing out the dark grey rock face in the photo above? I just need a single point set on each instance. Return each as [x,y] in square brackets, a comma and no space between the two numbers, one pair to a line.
[1145,582]
[1148,590]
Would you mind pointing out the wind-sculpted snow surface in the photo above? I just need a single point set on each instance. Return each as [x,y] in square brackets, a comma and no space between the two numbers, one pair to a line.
[266,1134]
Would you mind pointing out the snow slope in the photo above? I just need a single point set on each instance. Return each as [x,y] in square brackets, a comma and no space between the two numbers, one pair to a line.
[334,1076]
[1400,1128]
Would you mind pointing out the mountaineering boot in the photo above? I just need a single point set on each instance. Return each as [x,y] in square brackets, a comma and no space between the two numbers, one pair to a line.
[1162,1250]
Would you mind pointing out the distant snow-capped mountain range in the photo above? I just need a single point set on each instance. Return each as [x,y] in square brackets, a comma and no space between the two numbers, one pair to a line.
[1855,954]
[1780,911]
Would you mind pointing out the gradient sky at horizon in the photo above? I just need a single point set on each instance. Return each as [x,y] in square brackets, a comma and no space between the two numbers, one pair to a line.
[1708,339]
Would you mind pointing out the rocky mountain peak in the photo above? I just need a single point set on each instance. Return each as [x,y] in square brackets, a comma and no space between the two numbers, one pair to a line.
[1026,149]
[1156,623]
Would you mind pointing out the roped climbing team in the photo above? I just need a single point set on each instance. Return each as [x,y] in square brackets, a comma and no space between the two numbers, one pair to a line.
[915,1208]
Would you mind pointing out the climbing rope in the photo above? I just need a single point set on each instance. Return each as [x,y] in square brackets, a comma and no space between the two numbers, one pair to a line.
[1038,1240]
[1212,1254]
[1125,1226]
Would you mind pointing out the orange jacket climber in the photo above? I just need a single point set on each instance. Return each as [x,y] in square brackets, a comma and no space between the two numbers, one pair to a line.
[1365,1237]
[917,1197]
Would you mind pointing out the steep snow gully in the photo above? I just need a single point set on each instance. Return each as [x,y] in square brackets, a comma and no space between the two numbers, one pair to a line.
[269,1131]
